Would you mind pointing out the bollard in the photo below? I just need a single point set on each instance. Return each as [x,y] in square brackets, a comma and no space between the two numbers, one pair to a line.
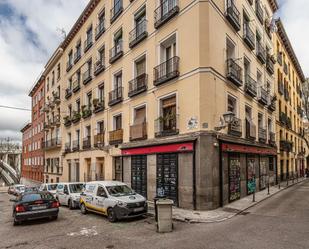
[287,181]
[268,189]
[253,196]
[279,184]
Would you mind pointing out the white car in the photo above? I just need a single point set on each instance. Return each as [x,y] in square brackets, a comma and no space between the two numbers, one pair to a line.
[68,194]
[16,189]
[50,187]
[114,199]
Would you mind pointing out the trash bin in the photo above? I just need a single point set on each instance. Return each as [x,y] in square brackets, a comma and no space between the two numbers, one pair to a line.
[155,205]
[164,215]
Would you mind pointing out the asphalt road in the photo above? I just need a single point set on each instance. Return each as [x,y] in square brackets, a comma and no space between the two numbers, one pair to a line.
[280,222]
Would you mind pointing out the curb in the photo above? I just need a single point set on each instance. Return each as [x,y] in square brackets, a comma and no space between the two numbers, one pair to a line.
[241,211]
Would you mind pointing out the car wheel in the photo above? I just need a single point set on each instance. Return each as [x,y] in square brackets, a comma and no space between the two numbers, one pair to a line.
[83,208]
[54,217]
[70,204]
[111,215]
[16,222]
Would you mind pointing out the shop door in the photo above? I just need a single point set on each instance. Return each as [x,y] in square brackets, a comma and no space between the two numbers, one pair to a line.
[167,176]
[234,178]
[139,174]
[263,173]
[250,175]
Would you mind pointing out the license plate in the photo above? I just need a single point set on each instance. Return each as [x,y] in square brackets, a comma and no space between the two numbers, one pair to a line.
[38,207]
[138,209]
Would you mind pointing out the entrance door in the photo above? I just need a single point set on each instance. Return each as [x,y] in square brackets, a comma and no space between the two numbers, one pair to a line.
[234,178]
[250,175]
[263,173]
[167,176]
[139,174]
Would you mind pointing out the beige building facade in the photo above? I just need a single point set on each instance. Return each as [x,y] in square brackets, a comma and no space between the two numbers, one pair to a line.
[290,126]
[175,98]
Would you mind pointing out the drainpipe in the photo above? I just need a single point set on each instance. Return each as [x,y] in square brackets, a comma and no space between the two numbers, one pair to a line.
[194,175]
[220,174]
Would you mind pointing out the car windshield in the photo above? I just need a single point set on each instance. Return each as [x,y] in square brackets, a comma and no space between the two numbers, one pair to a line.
[76,188]
[37,197]
[119,190]
[52,187]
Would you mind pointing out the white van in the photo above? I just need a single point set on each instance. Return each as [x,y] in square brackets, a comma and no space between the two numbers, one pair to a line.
[68,194]
[50,187]
[114,199]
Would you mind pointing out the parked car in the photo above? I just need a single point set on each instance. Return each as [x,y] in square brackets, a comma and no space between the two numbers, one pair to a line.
[16,189]
[35,205]
[114,199]
[50,187]
[68,194]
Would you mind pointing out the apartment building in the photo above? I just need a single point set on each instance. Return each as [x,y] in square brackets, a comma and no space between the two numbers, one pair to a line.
[53,73]
[291,142]
[33,135]
[172,97]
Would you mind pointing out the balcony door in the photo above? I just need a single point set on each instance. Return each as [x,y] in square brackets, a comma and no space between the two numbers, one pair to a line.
[168,51]
[169,114]
[139,19]
[118,122]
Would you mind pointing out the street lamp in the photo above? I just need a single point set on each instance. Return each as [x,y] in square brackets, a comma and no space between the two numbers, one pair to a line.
[228,117]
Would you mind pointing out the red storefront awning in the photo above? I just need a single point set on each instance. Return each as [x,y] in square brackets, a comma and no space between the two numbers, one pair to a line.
[180,147]
[248,149]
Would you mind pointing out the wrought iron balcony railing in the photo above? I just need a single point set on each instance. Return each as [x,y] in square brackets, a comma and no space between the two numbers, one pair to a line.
[166,71]
[138,34]
[166,11]
[167,125]
[250,86]
[116,10]
[115,96]
[233,15]
[249,37]
[116,52]
[234,72]
[138,85]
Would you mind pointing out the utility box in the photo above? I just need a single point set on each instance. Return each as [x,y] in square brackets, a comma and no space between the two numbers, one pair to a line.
[164,215]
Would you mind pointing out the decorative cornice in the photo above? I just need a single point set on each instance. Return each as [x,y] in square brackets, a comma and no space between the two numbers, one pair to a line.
[289,48]
[26,127]
[79,23]
[274,5]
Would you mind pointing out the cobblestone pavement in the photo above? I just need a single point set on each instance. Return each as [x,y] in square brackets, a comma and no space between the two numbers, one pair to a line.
[280,222]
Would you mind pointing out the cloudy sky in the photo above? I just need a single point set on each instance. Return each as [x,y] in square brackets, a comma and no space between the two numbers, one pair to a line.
[29,34]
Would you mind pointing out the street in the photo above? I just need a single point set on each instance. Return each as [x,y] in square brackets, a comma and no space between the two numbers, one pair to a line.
[277,223]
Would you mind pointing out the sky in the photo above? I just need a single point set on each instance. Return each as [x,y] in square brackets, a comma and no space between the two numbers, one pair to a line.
[29,34]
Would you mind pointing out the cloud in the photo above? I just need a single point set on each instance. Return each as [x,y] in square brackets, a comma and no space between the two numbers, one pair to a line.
[28,37]
[294,15]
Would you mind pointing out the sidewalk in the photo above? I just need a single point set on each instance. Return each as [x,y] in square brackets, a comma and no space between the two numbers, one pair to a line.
[228,211]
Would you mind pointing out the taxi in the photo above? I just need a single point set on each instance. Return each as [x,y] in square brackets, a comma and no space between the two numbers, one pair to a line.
[114,199]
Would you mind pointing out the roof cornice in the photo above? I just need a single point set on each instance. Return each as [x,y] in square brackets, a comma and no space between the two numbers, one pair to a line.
[274,5]
[289,48]
[26,127]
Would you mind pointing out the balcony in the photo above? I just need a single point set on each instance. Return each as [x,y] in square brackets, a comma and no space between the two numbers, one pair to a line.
[87,143]
[67,147]
[233,15]
[262,135]
[116,137]
[250,130]
[68,93]
[286,94]
[263,96]
[69,65]
[280,88]
[166,71]
[56,98]
[77,55]
[138,131]
[116,10]
[279,58]
[115,96]
[272,103]
[234,72]
[52,143]
[166,11]
[56,121]
[138,34]
[270,64]
[167,125]
[87,76]
[99,30]
[76,117]
[250,86]
[286,146]
[99,140]
[86,111]
[261,52]
[87,44]
[67,121]
[75,145]
[259,11]
[76,86]
[47,125]
[272,139]
[235,127]
[116,52]
[285,68]
[283,118]
[138,85]
[300,111]
[288,122]
[249,36]
[99,67]
[98,105]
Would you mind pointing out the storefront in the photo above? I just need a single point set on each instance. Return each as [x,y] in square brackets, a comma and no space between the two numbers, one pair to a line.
[246,169]
[161,170]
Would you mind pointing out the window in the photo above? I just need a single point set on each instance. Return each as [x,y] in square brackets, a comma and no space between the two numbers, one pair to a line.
[89,99]
[118,40]
[89,36]
[78,105]
[140,66]
[101,93]
[260,121]
[232,104]
[70,58]
[118,122]
[168,113]
[230,49]
[168,48]
[140,115]
[118,80]
[100,127]
[53,78]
